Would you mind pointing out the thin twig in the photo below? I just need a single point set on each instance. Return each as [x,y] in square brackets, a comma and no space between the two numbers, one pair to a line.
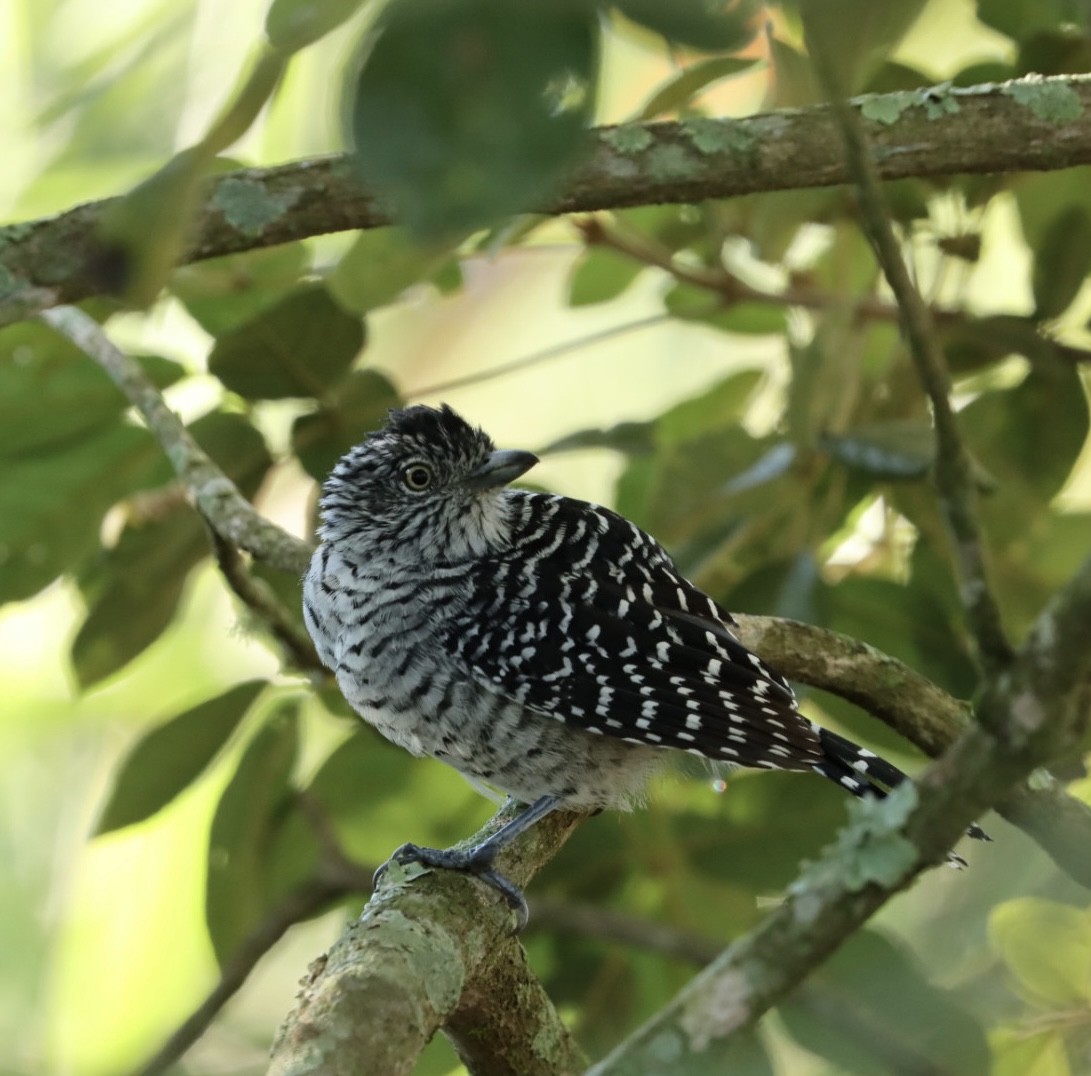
[216,497]
[732,289]
[259,598]
[525,362]
[953,471]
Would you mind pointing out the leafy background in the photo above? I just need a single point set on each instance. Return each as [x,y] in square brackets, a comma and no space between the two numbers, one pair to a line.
[164,766]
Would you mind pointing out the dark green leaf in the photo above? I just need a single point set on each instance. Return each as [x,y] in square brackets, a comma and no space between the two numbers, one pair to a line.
[869,1009]
[893,450]
[1062,260]
[1028,437]
[245,825]
[466,113]
[223,292]
[699,304]
[139,583]
[133,588]
[294,24]
[632,438]
[169,758]
[678,91]
[50,392]
[380,265]
[719,406]
[791,588]
[51,504]
[716,26]
[300,346]
[1020,18]
[601,274]
[359,405]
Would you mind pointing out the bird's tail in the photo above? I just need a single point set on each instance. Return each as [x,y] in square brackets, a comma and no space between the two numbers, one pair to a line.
[862,772]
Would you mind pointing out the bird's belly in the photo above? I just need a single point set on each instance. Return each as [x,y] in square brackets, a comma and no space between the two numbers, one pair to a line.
[493,740]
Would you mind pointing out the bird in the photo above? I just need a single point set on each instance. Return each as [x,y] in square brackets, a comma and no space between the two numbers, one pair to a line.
[543,646]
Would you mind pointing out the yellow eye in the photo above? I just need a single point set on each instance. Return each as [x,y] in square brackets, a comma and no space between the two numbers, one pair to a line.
[417,477]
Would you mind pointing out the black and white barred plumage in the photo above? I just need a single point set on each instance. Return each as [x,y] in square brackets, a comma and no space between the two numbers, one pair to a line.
[542,645]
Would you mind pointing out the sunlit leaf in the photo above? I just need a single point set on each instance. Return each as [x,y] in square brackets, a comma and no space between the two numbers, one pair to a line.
[466,113]
[600,275]
[678,91]
[1047,948]
[169,758]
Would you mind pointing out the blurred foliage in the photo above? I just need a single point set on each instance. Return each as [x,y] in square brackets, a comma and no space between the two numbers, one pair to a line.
[793,483]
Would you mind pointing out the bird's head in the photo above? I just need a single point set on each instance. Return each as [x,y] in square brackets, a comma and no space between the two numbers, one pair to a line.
[428,484]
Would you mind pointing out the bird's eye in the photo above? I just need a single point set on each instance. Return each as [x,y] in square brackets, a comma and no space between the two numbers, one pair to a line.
[417,477]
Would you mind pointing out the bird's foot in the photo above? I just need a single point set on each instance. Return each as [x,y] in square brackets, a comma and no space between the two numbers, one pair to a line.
[477,861]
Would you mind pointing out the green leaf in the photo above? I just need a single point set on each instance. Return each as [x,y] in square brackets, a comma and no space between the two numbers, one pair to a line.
[894,450]
[300,346]
[712,25]
[870,1009]
[222,292]
[50,392]
[632,438]
[380,265]
[169,758]
[133,588]
[294,24]
[466,113]
[717,407]
[244,828]
[1028,437]
[678,91]
[1019,1052]
[359,405]
[599,275]
[692,303]
[1062,261]
[52,503]
[1047,947]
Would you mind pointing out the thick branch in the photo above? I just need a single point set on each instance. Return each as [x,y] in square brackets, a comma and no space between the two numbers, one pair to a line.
[924,714]
[953,472]
[438,951]
[1018,126]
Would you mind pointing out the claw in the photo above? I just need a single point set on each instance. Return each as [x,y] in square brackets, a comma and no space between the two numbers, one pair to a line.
[476,861]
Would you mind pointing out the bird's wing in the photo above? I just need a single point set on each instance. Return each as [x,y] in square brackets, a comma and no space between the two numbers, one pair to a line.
[598,629]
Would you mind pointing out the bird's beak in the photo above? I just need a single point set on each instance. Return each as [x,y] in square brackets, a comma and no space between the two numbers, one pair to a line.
[500,468]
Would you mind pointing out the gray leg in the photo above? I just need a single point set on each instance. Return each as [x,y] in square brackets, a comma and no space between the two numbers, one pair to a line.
[478,860]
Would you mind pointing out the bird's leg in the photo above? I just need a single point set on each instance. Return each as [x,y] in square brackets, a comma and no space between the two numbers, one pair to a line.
[479,859]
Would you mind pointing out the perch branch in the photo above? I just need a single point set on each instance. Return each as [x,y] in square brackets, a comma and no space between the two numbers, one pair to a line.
[1027,124]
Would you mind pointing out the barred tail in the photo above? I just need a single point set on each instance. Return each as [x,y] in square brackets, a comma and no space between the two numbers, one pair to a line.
[862,772]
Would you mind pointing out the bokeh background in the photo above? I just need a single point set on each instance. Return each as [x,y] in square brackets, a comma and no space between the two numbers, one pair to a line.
[104,940]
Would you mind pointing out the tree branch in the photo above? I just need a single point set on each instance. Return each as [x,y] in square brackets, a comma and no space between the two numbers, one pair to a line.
[1031,123]
[953,472]
[437,952]
[924,714]
[215,496]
